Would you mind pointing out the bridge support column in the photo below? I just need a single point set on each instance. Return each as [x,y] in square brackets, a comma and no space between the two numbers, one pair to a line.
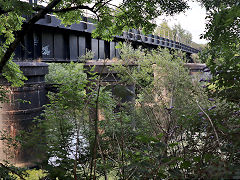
[25,103]
[198,71]
[109,79]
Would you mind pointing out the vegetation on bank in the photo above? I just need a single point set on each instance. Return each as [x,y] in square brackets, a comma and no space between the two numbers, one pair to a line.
[173,130]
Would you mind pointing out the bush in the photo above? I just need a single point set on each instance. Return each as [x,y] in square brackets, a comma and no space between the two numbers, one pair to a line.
[172,131]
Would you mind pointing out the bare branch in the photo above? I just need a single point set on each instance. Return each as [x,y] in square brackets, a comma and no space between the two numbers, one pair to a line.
[72,9]
[214,129]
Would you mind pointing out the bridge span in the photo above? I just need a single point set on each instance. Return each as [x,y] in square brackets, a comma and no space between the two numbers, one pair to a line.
[51,41]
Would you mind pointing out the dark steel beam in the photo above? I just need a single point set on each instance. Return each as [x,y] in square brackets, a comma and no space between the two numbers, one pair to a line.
[53,42]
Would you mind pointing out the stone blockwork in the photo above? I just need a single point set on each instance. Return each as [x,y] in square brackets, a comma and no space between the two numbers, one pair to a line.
[198,71]
[111,81]
[25,103]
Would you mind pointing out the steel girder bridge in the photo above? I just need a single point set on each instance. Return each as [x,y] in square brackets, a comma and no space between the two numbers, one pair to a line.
[51,41]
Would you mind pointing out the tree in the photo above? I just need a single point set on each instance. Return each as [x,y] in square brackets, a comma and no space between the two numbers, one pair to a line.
[182,34]
[164,30]
[111,19]
[223,59]
[173,131]
[222,55]
[177,33]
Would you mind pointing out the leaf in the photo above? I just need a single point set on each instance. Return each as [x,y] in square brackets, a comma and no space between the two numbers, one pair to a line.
[138,153]
[173,144]
[185,164]
[159,136]
[197,159]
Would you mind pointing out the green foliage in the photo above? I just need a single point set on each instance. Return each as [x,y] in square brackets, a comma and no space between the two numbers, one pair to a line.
[3,95]
[173,130]
[8,24]
[112,20]
[13,74]
[215,4]
[223,60]
[64,118]
[10,172]
[182,34]
[177,33]
[33,175]
[165,31]
[201,47]
[88,56]
[171,104]
[69,133]
[222,56]
[16,6]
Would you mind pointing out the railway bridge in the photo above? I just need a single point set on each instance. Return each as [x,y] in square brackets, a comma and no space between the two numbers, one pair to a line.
[50,41]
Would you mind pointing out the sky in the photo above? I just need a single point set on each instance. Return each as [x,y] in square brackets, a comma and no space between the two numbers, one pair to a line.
[193,20]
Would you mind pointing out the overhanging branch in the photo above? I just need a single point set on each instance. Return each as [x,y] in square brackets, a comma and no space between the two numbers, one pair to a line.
[72,9]
[25,28]
[41,12]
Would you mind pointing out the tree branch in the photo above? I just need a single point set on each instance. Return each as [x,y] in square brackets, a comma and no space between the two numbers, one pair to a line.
[12,171]
[101,4]
[214,129]
[73,8]
[25,28]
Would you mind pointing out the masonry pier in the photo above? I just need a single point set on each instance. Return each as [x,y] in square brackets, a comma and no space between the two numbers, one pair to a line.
[25,103]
